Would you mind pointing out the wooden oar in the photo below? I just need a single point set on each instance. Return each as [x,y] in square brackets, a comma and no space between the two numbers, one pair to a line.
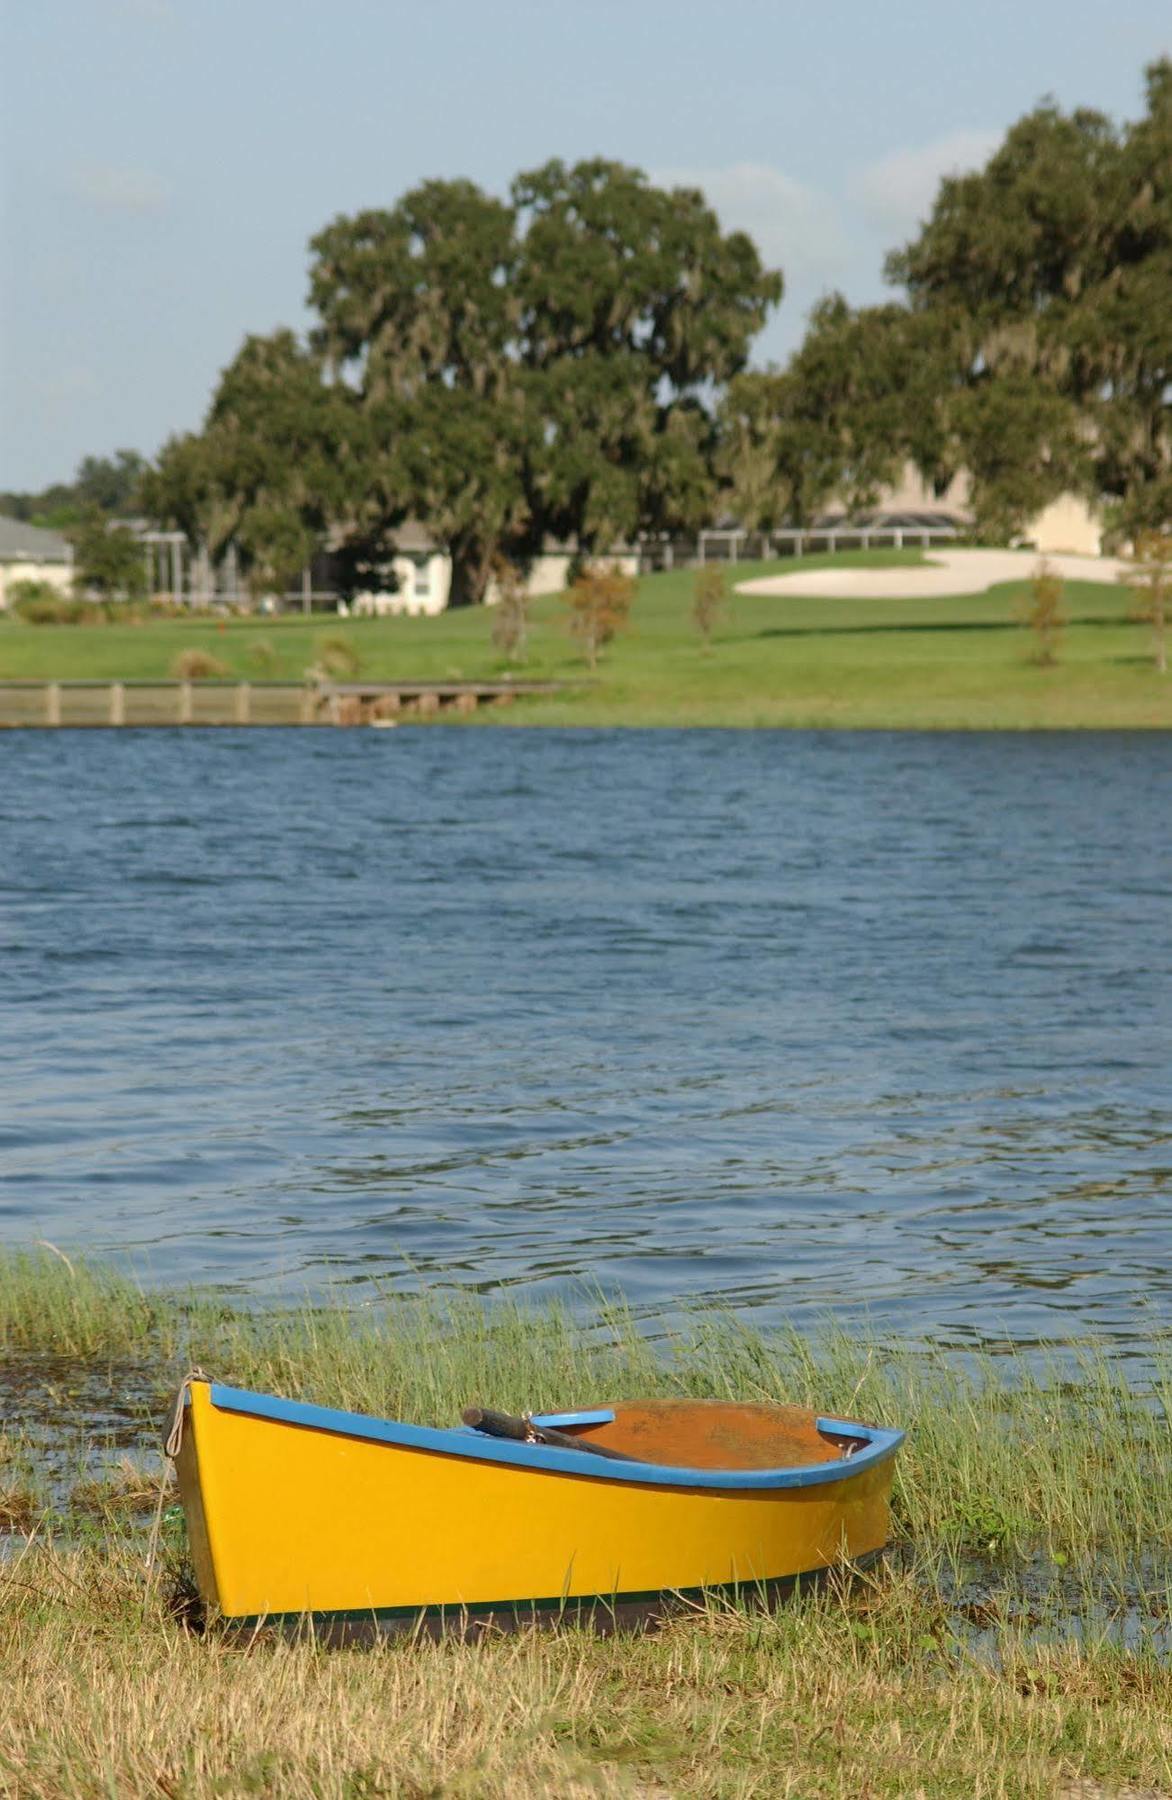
[507,1425]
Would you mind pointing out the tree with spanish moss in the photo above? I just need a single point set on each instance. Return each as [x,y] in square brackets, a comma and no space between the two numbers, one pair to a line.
[836,423]
[418,321]
[634,304]
[538,369]
[1048,275]
[276,464]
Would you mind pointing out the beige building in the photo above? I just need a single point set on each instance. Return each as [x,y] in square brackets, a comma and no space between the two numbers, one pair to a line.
[30,553]
[1069,526]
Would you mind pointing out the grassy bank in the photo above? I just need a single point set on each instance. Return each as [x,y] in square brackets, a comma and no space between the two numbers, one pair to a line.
[870,1694]
[900,664]
[1006,1454]
[1048,1666]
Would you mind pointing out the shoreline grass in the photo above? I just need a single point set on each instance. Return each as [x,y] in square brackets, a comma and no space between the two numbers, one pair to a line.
[797,662]
[1009,1454]
[1051,1670]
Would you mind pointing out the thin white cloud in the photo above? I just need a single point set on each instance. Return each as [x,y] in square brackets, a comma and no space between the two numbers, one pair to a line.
[118,190]
[795,228]
[898,190]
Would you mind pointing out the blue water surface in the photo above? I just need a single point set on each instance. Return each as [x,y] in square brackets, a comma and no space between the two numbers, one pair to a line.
[870,1025]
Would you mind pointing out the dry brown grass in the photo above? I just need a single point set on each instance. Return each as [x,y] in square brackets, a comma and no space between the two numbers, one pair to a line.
[198,665]
[125,1488]
[19,1507]
[335,659]
[104,1695]
[19,1504]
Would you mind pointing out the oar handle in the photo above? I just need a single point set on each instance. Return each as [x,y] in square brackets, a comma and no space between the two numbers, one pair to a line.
[496,1424]
[524,1431]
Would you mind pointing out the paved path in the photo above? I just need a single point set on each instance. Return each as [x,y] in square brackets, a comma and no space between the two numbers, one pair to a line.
[948,572]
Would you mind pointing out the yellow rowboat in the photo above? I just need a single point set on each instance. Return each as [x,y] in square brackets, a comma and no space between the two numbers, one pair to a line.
[302,1515]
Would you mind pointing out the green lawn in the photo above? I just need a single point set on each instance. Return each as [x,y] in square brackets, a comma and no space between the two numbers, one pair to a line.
[964,663]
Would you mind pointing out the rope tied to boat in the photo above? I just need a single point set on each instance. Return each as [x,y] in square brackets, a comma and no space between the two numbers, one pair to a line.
[172,1444]
[173,1436]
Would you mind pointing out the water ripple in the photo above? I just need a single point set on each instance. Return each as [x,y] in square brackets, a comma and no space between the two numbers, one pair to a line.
[874,1025]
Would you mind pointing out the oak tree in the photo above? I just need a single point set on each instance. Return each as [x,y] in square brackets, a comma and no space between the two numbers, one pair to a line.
[633,304]
[417,319]
[273,467]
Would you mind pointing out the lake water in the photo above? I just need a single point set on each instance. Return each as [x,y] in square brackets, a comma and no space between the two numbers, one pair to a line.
[875,1026]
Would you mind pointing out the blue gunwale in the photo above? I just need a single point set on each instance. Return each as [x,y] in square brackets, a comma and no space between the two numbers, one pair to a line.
[878,1442]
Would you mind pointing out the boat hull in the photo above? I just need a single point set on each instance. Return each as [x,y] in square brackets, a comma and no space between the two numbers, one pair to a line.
[292,1520]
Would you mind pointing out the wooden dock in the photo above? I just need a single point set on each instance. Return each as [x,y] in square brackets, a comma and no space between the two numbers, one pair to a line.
[137,704]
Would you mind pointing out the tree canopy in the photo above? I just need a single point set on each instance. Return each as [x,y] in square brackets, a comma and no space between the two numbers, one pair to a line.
[1032,346]
[108,559]
[417,319]
[571,364]
[633,305]
[110,485]
[504,372]
[1048,275]
[854,401]
[269,470]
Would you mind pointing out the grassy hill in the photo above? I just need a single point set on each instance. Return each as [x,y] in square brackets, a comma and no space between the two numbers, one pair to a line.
[924,663]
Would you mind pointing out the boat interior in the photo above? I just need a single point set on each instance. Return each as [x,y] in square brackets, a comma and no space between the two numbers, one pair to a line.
[707,1434]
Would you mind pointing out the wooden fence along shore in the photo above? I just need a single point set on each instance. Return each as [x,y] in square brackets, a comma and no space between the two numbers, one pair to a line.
[50,704]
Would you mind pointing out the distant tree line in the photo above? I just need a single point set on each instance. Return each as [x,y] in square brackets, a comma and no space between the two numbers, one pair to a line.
[107,486]
[571,363]
[91,510]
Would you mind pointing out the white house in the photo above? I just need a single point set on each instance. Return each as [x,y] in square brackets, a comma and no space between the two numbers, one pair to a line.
[423,574]
[30,553]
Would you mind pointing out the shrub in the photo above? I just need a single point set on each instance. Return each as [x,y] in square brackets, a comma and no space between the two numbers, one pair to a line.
[1150,577]
[510,615]
[41,603]
[600,604]
[129,612]
[709,600]
[1042,612]
[198,665]
[26,597]
[334,659]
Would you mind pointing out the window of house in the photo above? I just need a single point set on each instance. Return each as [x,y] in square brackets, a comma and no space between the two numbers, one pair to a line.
[422,576]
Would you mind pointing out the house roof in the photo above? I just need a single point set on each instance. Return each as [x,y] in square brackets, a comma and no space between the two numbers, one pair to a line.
[413,536]
[32,543]
[899,519]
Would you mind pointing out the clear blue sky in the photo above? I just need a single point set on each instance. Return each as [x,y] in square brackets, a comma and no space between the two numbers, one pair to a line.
[166,161]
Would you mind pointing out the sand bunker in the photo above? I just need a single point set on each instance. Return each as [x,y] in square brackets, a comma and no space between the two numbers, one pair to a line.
[949,572]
